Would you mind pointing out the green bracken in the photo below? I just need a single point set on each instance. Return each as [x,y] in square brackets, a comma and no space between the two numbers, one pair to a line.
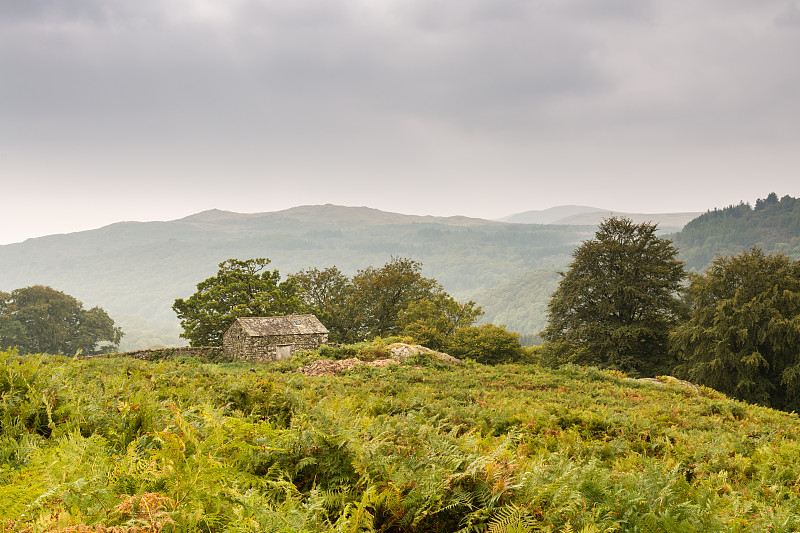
[114,444]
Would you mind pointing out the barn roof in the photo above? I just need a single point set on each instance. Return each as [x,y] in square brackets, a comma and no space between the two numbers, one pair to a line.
[281,325]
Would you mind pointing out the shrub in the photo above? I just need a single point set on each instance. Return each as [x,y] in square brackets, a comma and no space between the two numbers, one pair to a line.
[487,344]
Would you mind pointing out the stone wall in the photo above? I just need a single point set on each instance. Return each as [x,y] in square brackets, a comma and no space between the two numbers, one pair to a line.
[211,353]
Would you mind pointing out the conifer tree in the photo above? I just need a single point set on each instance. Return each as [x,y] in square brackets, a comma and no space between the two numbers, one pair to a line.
[743,335]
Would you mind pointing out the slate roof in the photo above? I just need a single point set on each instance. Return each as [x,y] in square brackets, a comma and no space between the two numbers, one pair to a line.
[281,325]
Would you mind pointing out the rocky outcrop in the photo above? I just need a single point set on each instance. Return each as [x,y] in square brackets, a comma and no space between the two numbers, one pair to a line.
[664,381]
[400,353]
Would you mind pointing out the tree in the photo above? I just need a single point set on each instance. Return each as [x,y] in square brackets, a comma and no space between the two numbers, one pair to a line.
[41,319]
[382,301]
[487,344]
[743,334]
[619,299]
[770,200]
[328,294]
[433,321]
[11,331]
[240,289]
[381,294]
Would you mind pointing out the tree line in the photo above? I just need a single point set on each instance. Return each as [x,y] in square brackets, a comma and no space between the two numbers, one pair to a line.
[392,300]
[627,303]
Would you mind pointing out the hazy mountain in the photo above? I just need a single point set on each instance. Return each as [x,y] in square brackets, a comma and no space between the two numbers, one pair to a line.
[135,270]
[667,222]
[549,216]
[582,215]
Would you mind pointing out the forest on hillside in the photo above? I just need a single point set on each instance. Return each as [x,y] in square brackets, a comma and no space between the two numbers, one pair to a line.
[772,224]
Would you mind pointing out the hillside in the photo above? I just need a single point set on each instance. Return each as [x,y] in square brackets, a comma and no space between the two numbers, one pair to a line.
[415,447]
[773,225]
[135,270]
[521,300]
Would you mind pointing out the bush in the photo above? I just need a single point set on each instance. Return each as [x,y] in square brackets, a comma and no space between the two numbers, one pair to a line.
[487,344]
[554,354]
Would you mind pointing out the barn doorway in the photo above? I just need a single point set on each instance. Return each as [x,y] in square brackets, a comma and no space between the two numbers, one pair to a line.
[283,351]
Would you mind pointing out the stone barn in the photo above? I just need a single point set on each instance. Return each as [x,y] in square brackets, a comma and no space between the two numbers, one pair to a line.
[265,339]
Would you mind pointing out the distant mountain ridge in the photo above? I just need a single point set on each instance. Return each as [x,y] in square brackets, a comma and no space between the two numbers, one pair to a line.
[579,215]
[326,214]
[549,216]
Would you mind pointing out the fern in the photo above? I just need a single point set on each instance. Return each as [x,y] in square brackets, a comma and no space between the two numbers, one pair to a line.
[512,519]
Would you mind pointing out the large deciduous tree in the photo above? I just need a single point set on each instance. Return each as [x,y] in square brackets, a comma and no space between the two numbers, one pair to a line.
[328,293]
[240,289]
[393,299]
[383,293]
[619,299]
[743,334]
[41,319]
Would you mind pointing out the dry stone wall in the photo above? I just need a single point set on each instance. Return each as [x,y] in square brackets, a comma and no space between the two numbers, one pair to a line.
[212,353]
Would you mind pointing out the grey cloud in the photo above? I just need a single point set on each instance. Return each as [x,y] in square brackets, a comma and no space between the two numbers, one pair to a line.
[789,16]
[456,87]
[495,58]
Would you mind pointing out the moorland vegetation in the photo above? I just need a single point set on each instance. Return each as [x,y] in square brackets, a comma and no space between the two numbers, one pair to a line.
[115,444]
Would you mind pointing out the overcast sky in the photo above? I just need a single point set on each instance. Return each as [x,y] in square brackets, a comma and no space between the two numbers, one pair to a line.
[155,109]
